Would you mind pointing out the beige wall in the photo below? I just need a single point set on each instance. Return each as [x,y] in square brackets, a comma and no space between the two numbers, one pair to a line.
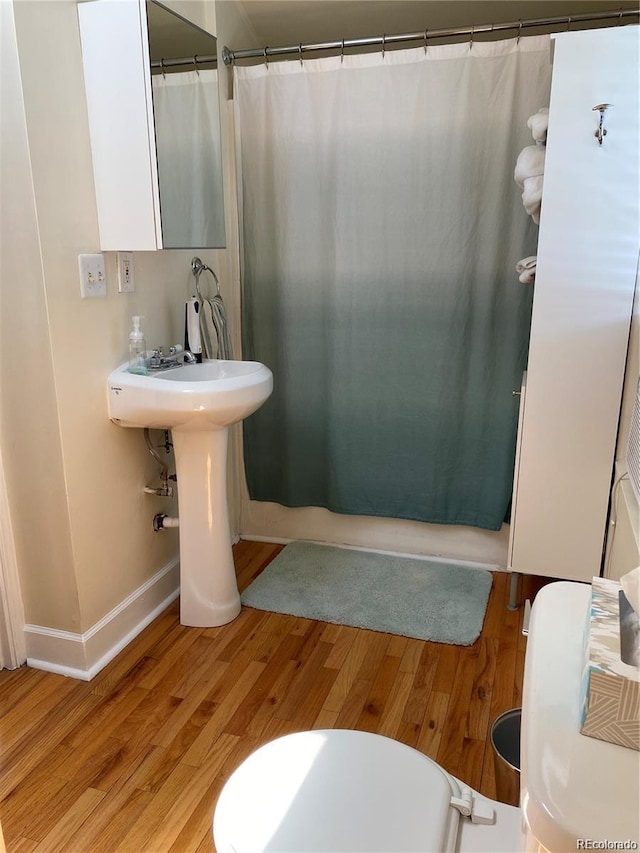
[82,524]
[232,28]
[289,22]
[29,427]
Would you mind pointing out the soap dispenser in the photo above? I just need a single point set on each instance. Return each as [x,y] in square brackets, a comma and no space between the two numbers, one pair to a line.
[137,348]
[192,338]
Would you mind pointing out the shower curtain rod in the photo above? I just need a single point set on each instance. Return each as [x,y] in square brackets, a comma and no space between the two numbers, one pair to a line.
[161,64]
[231,56]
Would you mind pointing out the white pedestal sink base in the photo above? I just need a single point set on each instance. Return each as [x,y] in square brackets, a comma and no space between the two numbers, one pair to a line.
[197,402]
[208,589]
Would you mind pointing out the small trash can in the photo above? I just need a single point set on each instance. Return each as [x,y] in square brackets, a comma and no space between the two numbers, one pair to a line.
[505,740]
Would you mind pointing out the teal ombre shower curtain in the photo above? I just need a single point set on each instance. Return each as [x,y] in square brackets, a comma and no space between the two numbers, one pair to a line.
[381,227]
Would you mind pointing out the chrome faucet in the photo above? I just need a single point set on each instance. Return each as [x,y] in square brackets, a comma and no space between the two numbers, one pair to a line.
[186,355]
[175,358]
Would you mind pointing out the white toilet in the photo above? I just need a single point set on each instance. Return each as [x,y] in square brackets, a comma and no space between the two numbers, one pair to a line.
[337,790]
[346,790]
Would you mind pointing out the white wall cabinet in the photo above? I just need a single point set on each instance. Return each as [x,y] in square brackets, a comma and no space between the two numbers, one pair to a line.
[587,259]
[115,55]
[136,209]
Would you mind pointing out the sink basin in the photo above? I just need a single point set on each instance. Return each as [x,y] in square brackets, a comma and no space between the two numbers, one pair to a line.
[197,402]
[211,395]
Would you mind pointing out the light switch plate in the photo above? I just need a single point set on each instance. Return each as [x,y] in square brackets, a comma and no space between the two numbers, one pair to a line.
[93,277]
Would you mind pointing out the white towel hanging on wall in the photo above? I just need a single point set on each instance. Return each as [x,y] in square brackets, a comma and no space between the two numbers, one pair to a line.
[538,124]
[529,170]
[530,164]
[526,269]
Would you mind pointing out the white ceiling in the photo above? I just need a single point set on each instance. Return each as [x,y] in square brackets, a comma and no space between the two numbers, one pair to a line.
[287,22]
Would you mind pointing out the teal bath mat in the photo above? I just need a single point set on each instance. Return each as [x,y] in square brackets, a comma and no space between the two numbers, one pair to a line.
[424,599]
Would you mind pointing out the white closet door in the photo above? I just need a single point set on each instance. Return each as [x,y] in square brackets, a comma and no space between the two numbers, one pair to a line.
[587,256]
[516,467]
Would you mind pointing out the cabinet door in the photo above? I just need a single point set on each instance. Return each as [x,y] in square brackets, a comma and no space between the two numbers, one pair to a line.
[516,468]
[587,257]
[115,55]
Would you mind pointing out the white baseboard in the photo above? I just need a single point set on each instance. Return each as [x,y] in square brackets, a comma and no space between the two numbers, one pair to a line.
[82,656]
[277,540]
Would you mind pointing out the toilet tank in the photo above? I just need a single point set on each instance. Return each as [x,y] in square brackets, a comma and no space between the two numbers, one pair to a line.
[576,792]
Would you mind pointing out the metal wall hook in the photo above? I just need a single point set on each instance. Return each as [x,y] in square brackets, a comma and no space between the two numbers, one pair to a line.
[601,132]
[197,266]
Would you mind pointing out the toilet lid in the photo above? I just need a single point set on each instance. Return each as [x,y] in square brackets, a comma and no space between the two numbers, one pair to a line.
[335,790]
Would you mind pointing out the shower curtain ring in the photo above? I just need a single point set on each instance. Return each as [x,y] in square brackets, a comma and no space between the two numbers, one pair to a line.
[195,64]
[342,53]
[425,41]
[300,52]
[266,58]
[620,18]
[569,24]
[384,38]
[473,29]
[519,33]
[162,68]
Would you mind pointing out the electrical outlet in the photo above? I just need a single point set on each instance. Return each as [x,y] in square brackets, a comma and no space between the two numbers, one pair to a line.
[93,277]
[126,283]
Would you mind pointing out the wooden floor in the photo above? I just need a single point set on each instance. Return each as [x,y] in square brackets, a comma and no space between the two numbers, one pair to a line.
[135,759]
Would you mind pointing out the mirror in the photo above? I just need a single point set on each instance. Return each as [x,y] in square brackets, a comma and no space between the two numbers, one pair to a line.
[184,86]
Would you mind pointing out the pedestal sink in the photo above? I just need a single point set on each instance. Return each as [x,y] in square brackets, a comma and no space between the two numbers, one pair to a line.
[198,403]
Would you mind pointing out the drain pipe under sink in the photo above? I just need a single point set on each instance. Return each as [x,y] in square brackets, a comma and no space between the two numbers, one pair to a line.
[162,522]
